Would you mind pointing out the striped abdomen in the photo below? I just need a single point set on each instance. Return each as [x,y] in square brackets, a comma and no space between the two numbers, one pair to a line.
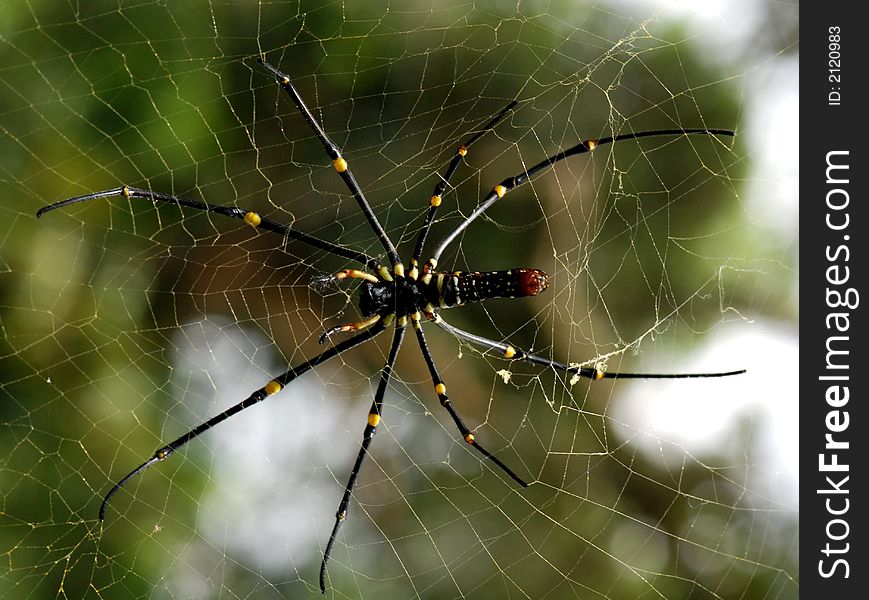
[457,288]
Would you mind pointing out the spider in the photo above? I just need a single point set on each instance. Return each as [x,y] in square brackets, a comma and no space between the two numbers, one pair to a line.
[390,295]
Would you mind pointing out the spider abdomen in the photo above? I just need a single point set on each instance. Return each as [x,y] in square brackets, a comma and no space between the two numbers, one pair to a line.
[457,288]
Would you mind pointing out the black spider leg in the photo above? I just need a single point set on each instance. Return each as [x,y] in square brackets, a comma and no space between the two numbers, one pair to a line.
[339,163]
[511,352]
[441,186]
[441,391]
[250,217]
[269,389]
[500,190]
[367,435]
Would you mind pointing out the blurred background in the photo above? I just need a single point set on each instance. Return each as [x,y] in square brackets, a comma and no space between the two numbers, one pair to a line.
[125,324]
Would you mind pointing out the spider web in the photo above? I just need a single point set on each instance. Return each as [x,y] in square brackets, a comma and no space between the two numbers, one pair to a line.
[126,324]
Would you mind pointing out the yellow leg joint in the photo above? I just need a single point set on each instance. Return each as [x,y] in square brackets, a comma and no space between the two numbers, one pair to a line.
[374,419]
[398,269]
[469,438]
[435,200]
[463,150]
[273,387]
[125,191]
[340,164]
[440,389]
[598,374]
[252,219]
[591,144]
[509,352]
[500,190]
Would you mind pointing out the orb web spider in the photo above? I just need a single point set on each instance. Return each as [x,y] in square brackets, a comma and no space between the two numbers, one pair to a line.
[390,295]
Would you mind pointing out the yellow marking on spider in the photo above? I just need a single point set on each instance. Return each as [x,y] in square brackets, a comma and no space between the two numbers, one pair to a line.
[413,273]
[402,321]
[440,389]
[368,322]
[355,326]
[442,301]
[435,200]
[340,164]
[273,387]
[161,455]
[385,275]
[469,438]
[285,80]
[125,191]
[591,144]
[509,352]
[432,263]
[463,150]
[598,374]
[356,274]
[500,190]
[252,219]
[374,419]
[388,319]
[398,269]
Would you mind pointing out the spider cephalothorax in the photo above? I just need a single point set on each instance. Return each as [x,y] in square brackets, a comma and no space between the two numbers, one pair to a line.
[388,296]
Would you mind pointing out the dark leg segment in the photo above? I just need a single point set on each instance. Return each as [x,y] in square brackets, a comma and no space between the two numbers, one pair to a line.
[272,387]
[508,184]
[441,186]
[250,217]
[441,391]
[367,435]
[512,353]
[338,162]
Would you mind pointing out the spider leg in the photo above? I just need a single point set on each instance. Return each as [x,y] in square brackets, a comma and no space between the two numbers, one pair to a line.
[500,190]
[351,273]
[367,436]
[357,326]
[338,162]
[435,200]
[511,352]
[322,282]
[250,217]
[441,391]
[272,387]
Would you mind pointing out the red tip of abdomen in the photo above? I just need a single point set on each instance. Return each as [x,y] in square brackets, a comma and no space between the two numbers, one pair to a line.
[530,282]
